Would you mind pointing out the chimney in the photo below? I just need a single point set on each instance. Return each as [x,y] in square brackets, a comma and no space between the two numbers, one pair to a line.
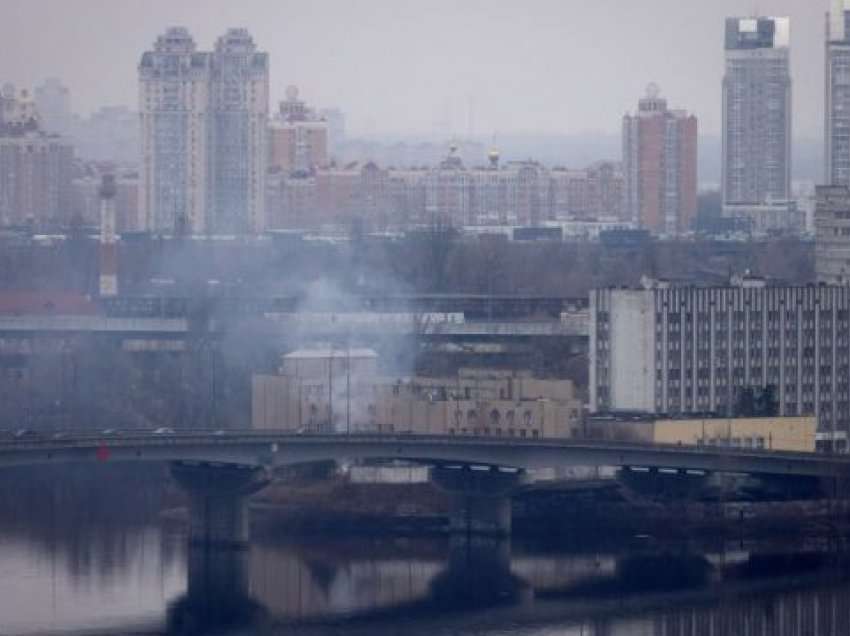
[108,248]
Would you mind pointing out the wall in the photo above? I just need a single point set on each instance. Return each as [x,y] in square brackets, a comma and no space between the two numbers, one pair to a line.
[776,433]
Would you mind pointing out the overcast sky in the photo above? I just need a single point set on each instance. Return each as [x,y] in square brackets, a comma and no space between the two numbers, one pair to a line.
[405,66]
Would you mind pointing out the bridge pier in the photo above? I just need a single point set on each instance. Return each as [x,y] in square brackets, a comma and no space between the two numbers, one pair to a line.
[480,500]
[218,501]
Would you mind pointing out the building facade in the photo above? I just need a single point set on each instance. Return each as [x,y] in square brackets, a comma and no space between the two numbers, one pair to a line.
[340,390]
[832,234]
[53,101]
[497,194]
[203,129]
[837,98]
[660,166]
[756,166]
[796,434]
[35,167]
[298,138]
[685,350]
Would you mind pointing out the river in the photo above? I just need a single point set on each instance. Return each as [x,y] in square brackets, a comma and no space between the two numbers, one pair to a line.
[85,555]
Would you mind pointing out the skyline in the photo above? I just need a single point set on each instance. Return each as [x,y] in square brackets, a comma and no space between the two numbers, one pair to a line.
[443,60]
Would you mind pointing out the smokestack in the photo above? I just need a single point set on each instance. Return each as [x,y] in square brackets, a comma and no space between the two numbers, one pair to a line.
[108,249]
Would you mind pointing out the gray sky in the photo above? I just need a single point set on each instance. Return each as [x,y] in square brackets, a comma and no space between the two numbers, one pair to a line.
[405,66]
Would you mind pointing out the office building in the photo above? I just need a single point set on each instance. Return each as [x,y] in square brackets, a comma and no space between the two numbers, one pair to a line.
[837,98]
[204,117]
[756,163]
[686,350]
[660,166]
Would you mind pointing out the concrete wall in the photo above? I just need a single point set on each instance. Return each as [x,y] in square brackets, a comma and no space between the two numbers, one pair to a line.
[776,433]
[510,405]
[632,342]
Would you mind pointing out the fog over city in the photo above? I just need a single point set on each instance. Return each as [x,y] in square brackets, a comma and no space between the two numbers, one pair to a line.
[401,67]
[433,317]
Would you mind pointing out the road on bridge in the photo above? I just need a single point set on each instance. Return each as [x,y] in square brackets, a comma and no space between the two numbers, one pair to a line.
[279,448]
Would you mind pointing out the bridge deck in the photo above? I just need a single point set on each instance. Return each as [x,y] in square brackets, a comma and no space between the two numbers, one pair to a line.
[273,448]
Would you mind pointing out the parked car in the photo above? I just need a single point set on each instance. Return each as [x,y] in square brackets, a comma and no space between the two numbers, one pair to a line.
[164,430]
[22,433]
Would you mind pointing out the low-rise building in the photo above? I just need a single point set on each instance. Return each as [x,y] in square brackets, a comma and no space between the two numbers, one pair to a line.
[334,390]
[762,433]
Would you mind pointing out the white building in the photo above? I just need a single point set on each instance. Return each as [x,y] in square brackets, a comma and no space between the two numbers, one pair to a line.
[203,127]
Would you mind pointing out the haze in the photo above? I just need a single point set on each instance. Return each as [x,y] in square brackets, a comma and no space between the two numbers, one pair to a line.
[402,67]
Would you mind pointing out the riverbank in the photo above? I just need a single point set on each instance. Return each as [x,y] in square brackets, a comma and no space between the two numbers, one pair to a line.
[336,506]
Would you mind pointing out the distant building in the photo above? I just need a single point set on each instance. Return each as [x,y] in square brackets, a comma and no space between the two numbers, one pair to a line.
[53,101]
[592,193]
[756,166]
[686,350]
[204,124]
[35,167]
[837,99]
[298,138]
[660,166]
[832,232]
[111,134]
[336,126]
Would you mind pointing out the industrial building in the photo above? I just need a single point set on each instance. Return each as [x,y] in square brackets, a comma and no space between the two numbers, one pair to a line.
[340,390]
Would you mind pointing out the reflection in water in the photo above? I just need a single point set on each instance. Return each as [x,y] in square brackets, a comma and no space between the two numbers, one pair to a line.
[94,574]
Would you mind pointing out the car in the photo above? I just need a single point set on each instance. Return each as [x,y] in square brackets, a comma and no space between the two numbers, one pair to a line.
[22,433]
[220,432]
[163,430]
[59,435]
[109,431]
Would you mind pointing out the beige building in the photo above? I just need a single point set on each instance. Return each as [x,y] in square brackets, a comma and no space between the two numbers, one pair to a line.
[762,433]
[334,390]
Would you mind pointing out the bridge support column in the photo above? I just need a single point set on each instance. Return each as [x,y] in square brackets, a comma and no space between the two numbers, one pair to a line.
[480,499]
[218,501]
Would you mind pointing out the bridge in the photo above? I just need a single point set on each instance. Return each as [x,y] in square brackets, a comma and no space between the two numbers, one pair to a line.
[219,470]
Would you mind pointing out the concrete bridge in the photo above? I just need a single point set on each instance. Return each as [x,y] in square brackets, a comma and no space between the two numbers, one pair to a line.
[219,471]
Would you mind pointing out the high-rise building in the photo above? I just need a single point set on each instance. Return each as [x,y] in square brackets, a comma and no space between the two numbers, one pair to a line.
[204,118]
[660,166]
[756,170]
[35,167]
[837,101]
[298,138]
[336,126]
[239,106]
[53,101]
[832,231]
